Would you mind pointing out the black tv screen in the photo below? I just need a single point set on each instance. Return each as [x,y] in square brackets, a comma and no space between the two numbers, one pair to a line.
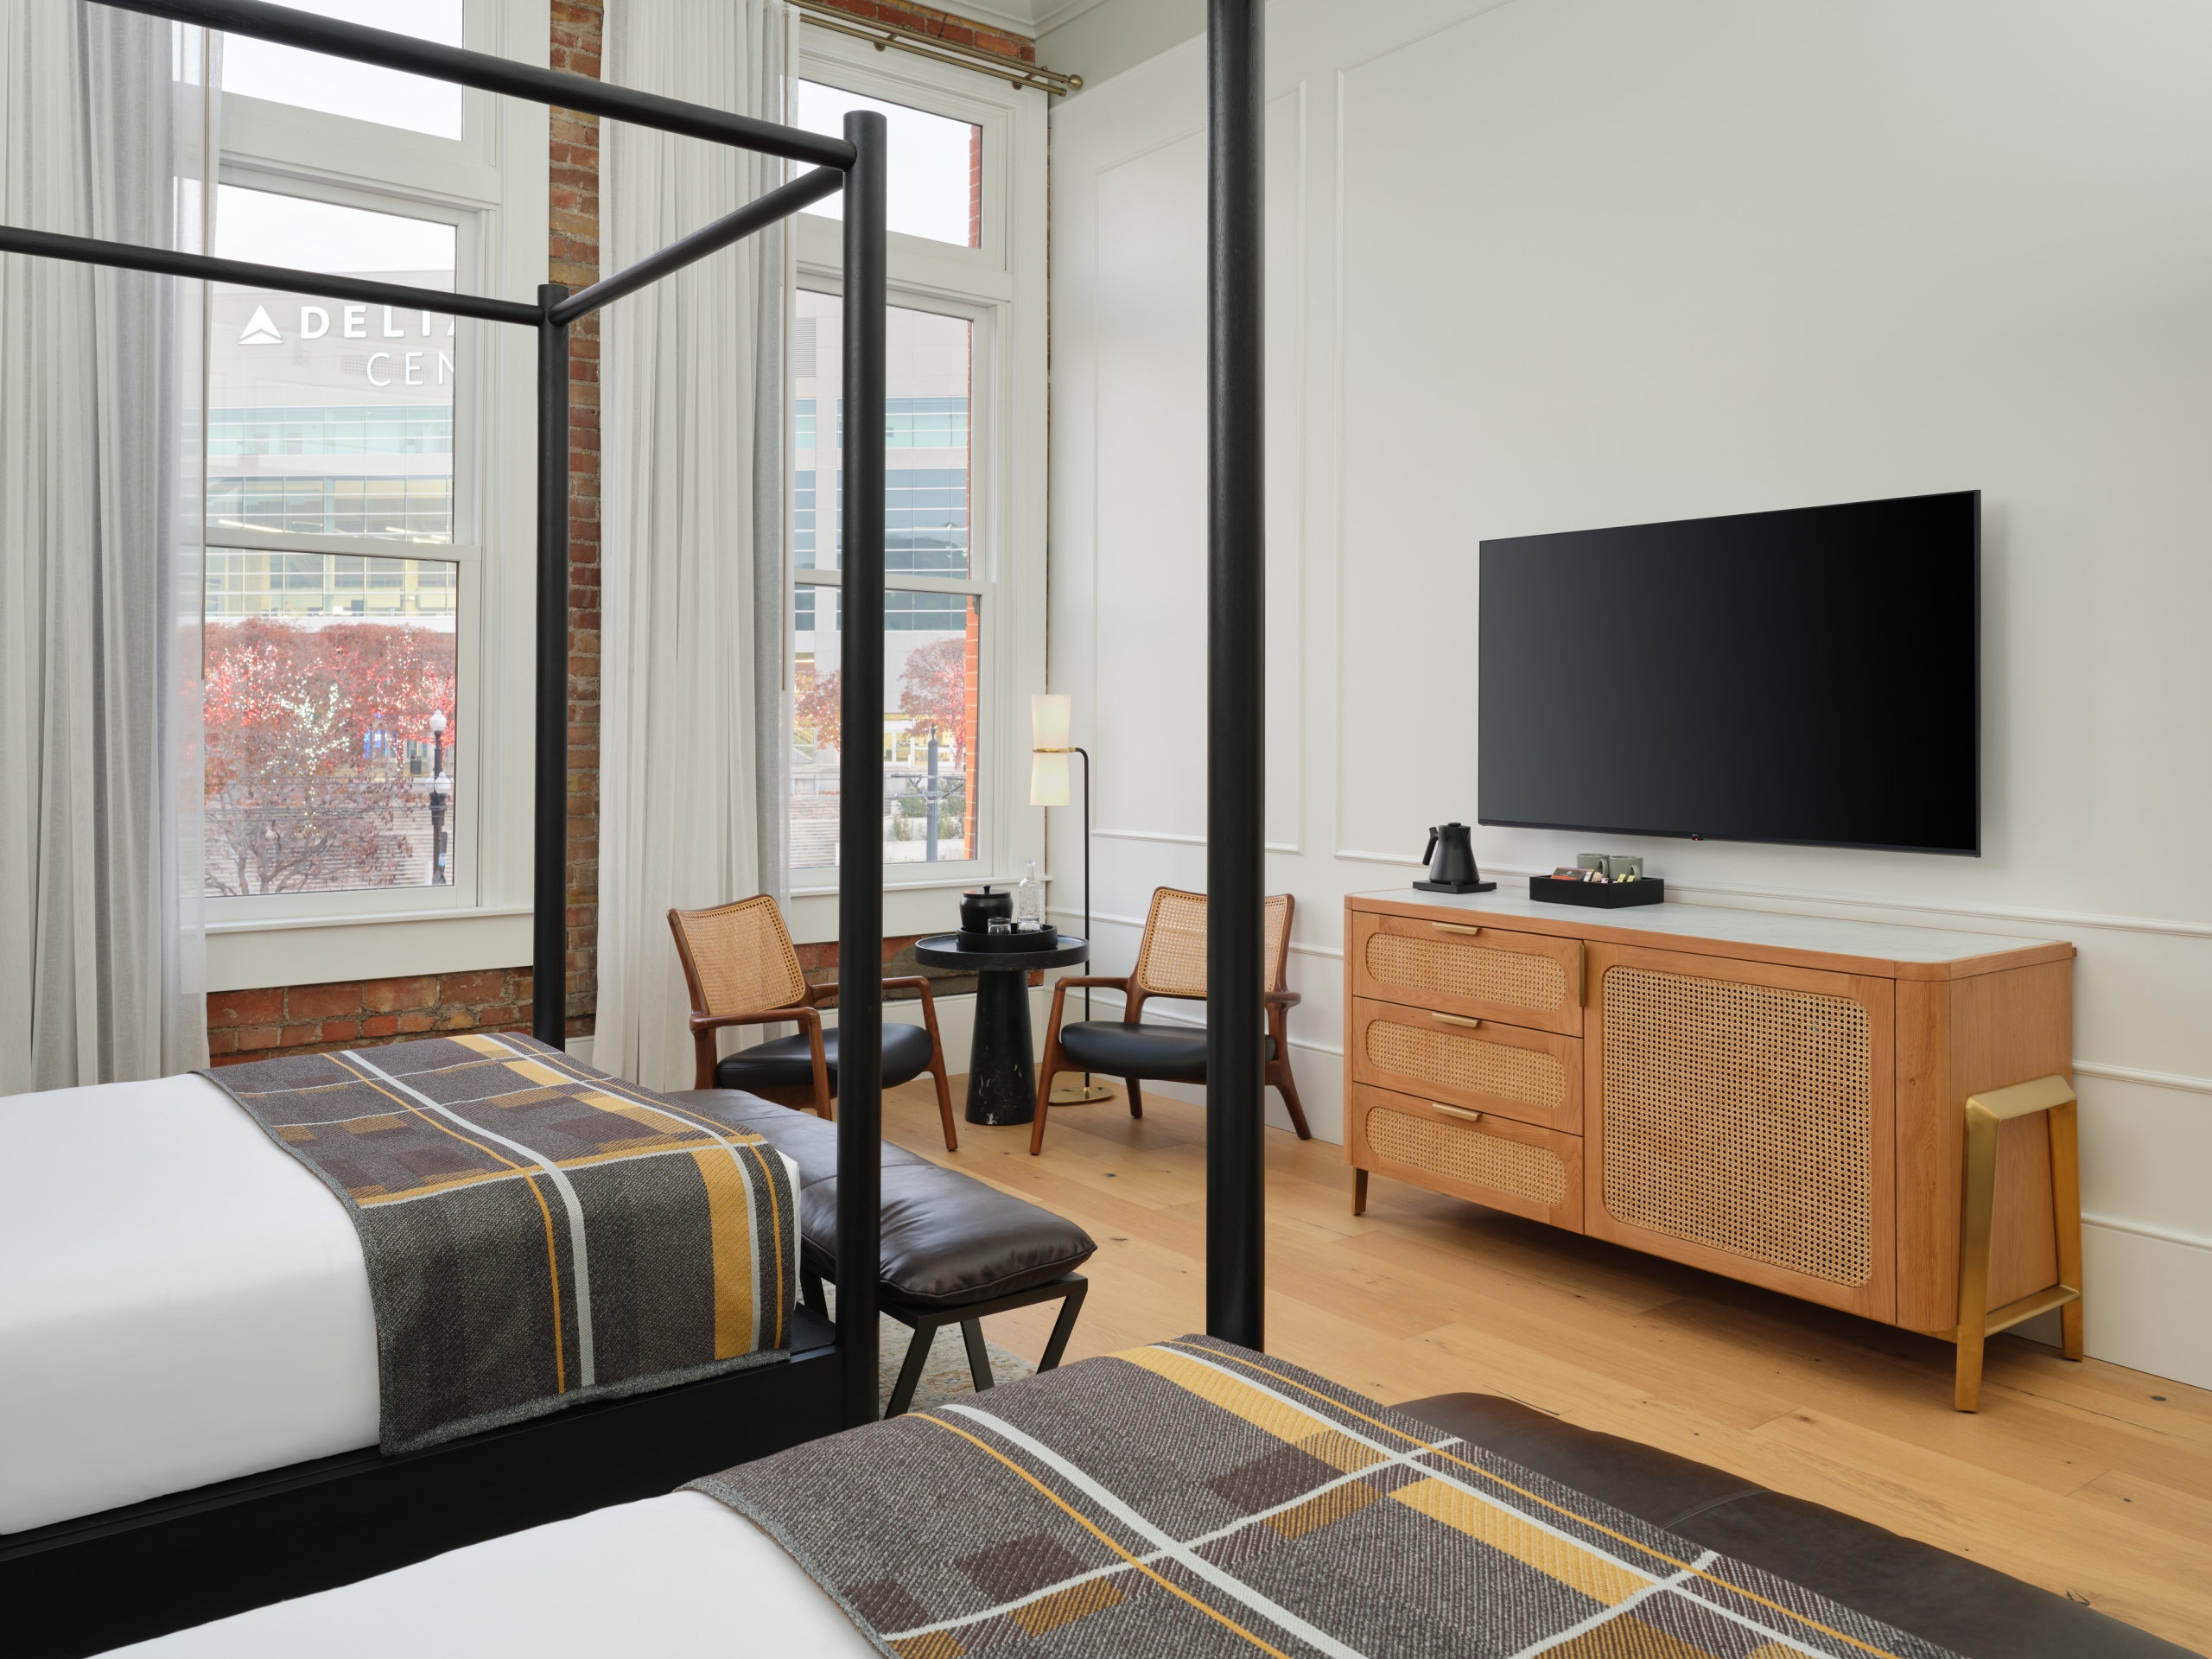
[1811,676]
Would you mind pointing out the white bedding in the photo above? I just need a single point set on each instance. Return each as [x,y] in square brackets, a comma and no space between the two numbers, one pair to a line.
[681,1574]
[181,1301]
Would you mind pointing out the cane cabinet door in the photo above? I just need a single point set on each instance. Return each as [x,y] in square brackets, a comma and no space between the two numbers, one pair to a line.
[1739,1117]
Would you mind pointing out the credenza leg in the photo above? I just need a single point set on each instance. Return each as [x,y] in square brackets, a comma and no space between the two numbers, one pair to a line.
[1359,1192]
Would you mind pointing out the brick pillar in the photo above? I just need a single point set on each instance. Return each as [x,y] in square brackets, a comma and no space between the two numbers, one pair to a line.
[573,259]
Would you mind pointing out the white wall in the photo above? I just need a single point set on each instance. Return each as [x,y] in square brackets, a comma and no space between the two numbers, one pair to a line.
[1558,264]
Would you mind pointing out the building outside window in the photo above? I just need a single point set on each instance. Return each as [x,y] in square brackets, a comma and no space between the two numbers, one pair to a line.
[960,394]
[354,488]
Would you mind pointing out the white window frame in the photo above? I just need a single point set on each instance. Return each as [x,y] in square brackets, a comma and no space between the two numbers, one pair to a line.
[999,288]
[492,184]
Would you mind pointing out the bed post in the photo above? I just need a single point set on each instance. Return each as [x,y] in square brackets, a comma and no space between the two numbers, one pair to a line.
[860,813]
[548,928]
[1236,675]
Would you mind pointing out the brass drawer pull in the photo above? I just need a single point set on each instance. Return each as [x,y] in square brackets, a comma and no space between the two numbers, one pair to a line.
[1454,927]
[1457,1111]
[1456,1019]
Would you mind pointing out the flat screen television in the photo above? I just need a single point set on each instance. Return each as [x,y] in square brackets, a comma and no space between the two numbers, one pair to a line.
[1810,677]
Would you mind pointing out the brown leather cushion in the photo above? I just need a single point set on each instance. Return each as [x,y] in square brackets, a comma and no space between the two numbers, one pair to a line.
[948,1239]
[788,1062]
[1961,1604]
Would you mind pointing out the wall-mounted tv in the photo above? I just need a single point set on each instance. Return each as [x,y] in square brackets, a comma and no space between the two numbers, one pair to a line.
[1811,676]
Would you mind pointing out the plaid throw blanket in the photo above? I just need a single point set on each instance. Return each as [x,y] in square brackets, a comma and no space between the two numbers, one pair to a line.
[1196,1498]
[537,1232]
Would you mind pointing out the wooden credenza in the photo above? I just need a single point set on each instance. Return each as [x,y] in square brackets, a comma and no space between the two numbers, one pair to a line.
[1779,1098]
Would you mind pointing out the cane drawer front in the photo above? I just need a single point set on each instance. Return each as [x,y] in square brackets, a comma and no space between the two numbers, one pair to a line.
[1532,1077]
[1473,1155]
[1485,973]
[1741,1120]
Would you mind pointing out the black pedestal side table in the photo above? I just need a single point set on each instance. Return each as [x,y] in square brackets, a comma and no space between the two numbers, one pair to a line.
[1001,1075]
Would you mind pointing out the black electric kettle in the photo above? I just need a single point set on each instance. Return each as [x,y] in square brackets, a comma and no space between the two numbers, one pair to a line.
[1450,859]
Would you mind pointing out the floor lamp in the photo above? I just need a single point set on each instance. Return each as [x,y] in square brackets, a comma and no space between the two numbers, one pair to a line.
[1048,786]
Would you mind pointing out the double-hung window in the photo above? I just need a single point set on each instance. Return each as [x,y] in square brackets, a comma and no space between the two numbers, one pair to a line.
[963,503]
[366,490]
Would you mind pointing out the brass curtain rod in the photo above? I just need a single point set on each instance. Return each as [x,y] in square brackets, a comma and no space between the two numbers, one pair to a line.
[882,35]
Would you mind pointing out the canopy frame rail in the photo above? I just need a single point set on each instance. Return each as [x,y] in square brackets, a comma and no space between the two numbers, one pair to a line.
[860,161]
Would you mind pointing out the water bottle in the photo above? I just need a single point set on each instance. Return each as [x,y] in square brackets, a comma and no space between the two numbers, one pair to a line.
[1029,902]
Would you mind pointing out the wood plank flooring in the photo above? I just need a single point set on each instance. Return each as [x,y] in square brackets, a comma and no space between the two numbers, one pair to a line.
[2088,1479]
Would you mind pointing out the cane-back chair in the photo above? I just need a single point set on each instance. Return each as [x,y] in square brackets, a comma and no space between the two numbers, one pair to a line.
[740,970]
[1171,963]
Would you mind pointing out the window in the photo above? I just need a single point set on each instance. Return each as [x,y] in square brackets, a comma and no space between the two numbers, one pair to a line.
[933,638]
[334,729]
[936,189]
[308,80]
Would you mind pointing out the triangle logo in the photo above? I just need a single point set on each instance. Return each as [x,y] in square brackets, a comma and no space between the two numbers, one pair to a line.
[259,330]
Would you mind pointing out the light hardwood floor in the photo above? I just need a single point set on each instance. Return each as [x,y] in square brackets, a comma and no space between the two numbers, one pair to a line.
[2089,1479]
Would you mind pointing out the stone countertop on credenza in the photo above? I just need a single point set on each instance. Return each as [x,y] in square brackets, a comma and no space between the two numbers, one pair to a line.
[1887,948]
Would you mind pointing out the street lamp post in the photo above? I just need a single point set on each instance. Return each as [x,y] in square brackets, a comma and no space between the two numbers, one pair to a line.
[440,787]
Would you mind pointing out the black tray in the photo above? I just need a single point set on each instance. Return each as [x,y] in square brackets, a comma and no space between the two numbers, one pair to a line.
[1598,895]
[1049,939]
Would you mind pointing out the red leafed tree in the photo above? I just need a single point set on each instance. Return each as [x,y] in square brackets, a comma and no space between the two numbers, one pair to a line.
[933,692]
[819,706]
[306,784]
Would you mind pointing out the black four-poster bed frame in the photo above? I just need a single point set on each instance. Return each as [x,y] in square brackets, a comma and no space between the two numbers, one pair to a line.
[84,1585]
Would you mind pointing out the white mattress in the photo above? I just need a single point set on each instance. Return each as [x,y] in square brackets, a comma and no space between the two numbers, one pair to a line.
[679,1575]
[181,1301]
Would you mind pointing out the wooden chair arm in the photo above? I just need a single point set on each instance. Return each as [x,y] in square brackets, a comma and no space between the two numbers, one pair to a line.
[706,1022]
[703,1027]
[920,983]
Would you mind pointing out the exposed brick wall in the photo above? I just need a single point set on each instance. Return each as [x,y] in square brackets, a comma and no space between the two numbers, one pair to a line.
[926,20]
[353,1014]
[573,259]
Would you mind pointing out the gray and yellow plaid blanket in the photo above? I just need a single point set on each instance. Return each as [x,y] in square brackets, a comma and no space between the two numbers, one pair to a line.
[1196,1498]
[538,1233]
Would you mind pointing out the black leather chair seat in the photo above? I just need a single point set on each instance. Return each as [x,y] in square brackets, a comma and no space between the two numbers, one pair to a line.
[1174,1053]
[947,1238]
[1957,1604]
[788,1062]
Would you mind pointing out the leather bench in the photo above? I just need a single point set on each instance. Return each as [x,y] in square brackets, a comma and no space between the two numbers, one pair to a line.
[1957,1604]
[953,1249]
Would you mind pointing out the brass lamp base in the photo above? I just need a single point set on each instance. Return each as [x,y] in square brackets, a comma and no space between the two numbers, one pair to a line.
[1081,1094]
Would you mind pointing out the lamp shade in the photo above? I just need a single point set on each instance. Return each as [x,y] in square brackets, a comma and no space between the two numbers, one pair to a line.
[1048,721]
[1048,779]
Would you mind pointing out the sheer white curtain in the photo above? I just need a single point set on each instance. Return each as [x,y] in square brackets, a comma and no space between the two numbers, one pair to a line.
[694,751]
[102,964]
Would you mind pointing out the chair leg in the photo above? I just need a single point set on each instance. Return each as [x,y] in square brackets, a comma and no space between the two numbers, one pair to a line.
[810,1285]
[943,1098]
[1045,1076]
[1288,1088]
[909,1374]
[979,1357]
[1064,1327]
[1359,1192]
[1136,1097]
